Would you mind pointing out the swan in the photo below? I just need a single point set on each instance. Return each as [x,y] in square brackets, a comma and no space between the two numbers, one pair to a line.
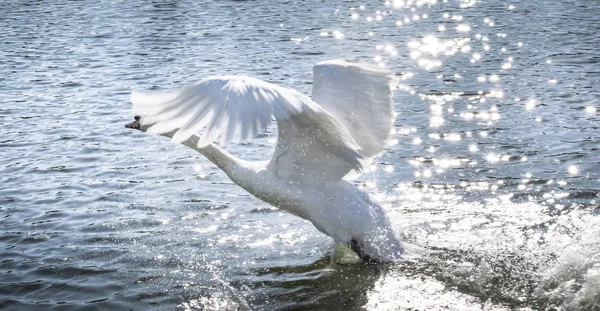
[320,141]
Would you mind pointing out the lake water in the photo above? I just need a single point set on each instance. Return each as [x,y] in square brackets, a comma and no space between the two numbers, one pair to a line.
[493,170]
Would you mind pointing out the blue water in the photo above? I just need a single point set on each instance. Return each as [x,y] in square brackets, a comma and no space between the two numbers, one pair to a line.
[494,168]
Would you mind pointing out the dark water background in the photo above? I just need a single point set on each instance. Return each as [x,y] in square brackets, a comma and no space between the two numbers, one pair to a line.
[498,179]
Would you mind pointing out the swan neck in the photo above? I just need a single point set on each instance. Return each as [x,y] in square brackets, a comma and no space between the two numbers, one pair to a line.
[221,158]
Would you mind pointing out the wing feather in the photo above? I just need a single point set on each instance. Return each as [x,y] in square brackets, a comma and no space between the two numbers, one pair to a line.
[360,97]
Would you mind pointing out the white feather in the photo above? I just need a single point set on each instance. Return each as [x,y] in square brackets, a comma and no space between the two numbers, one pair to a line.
[360,97]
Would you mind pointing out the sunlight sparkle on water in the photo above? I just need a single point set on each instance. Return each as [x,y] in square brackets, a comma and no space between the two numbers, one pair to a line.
[467,115]
[446,163]
[453,137]
[399,4]
[573,170]
[430,45]
[463,28]
[493,158]
[436,121]
[435,136]
[426,173]
[467,3]
[530,104]
[496,94]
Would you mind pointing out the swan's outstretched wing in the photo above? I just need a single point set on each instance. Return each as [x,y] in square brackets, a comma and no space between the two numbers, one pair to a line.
[360,97]
[236,108]
[312,144]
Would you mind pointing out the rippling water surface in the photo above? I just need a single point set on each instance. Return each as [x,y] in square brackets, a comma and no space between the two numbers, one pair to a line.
[493,168]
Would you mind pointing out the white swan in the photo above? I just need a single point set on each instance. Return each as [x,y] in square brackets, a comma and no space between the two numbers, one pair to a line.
[346,124]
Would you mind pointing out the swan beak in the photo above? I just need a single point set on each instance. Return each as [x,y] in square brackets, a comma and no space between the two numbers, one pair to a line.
[135,124]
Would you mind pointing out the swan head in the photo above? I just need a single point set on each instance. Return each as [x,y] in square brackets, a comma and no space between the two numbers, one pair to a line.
[135,124]
[138,125]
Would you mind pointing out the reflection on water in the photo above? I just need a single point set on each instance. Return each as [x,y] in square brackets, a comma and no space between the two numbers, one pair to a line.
[492,168]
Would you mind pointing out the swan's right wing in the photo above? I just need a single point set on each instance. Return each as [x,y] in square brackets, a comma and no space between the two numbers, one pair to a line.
[360,97]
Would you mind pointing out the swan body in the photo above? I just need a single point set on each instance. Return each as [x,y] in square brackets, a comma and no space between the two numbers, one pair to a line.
[320,141]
